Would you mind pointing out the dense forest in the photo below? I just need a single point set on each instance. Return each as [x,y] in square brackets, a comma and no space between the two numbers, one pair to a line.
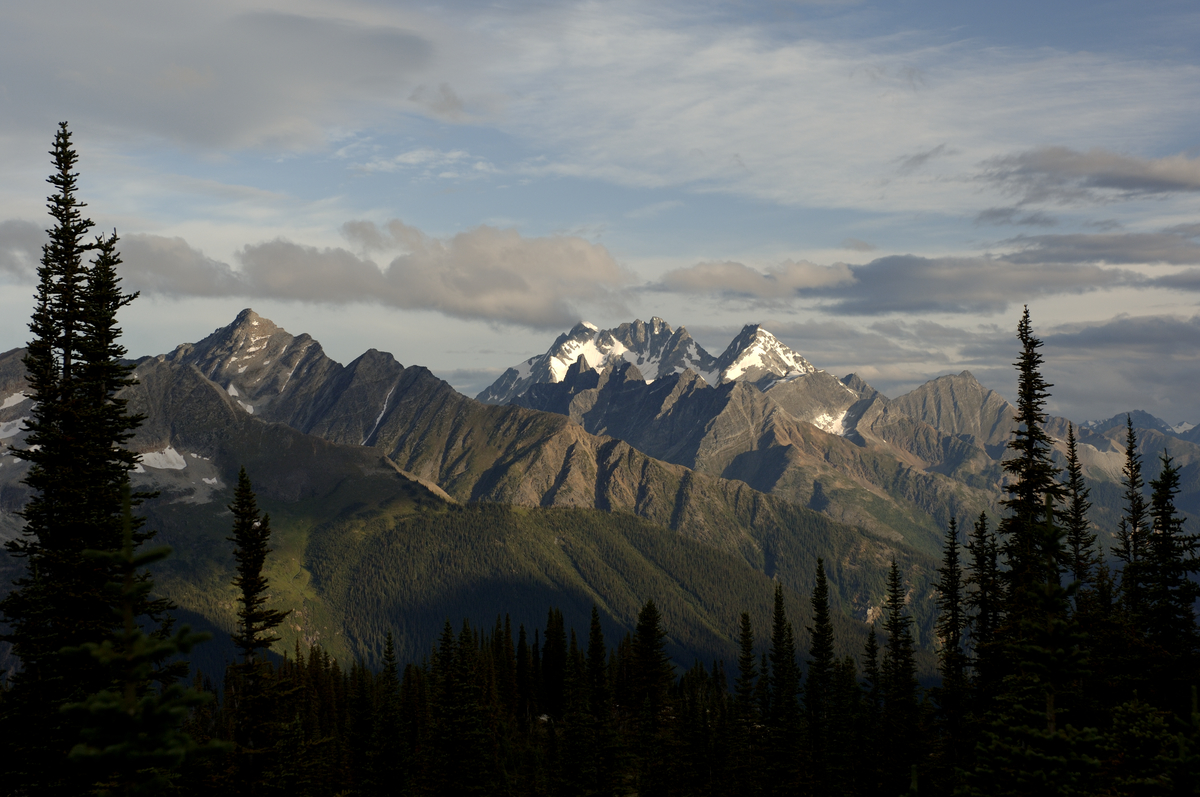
[1062,670]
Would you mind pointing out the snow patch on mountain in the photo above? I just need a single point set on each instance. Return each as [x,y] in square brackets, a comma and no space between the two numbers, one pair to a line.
[831,423]
[167,459]
[13,400]
[11,428]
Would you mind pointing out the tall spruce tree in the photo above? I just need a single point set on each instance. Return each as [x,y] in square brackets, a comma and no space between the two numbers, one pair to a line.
[953,695]
[818,687]
[1031,471]
[1131,534]
[1081,540]
[652,679]
[1026,746]
[79,464]
[1171,559]
[784,749]
[250,683]
[985,600]
[898,677]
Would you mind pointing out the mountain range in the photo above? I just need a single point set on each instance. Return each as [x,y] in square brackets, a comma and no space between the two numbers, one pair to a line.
[622,465]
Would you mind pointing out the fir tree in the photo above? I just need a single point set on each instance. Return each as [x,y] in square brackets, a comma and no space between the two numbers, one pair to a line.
[784,725]
[952,696]
[251,535]
[78,467]
[132,735]
[1171,558]
[1081,540]
[746,737]
[898,681]
[653,677]
[250,682]
[1032,473]
[1132,531]
[986,602]
[818,687]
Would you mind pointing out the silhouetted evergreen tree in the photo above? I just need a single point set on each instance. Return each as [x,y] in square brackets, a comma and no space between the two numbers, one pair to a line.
[818,688]
[953,695]
[250,684]
[898,686]
[746,723]
[1172,557]
[986,601]
[1081,540]
[78,467]
[1131,535]
[785,764]
[652,679]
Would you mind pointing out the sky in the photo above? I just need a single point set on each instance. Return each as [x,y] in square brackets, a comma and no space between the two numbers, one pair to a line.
[882,185]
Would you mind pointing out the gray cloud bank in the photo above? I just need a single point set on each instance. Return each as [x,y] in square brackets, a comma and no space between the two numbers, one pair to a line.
[209,75]
[1060,174]
[1037,266]
[485,273]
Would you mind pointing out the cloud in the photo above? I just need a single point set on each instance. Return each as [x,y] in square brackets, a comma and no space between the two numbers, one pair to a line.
[898,283]
[1063,175]
[431,163]
[1144,362]
[857,245]
[1175,246]
[1015,217]
[729,278]
[653,210]
[911,163]
[217,75]
[485,273]
[20,249]
[908,284]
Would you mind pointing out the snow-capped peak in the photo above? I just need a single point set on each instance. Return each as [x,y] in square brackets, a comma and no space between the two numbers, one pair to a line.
[756,353]
[653,347]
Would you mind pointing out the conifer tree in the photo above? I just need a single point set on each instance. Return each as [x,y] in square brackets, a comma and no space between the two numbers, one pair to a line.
[818,688]
[1171,558]
[250,538]
[1081,540]
[784,724]
[1132,531]
[1032,473]
[653,676]
[132,736]
[250,682]
[390,763]
[986,601]
[898,681]
[79,465]
[952,696]
[746,748]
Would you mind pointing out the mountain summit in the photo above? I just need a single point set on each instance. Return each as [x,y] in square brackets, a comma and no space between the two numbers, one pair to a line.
[655,348]
[755,355]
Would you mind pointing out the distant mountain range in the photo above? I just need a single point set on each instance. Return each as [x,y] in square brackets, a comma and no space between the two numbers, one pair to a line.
[623,464]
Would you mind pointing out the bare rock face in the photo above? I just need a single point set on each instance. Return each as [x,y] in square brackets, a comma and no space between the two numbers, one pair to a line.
[958,405]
